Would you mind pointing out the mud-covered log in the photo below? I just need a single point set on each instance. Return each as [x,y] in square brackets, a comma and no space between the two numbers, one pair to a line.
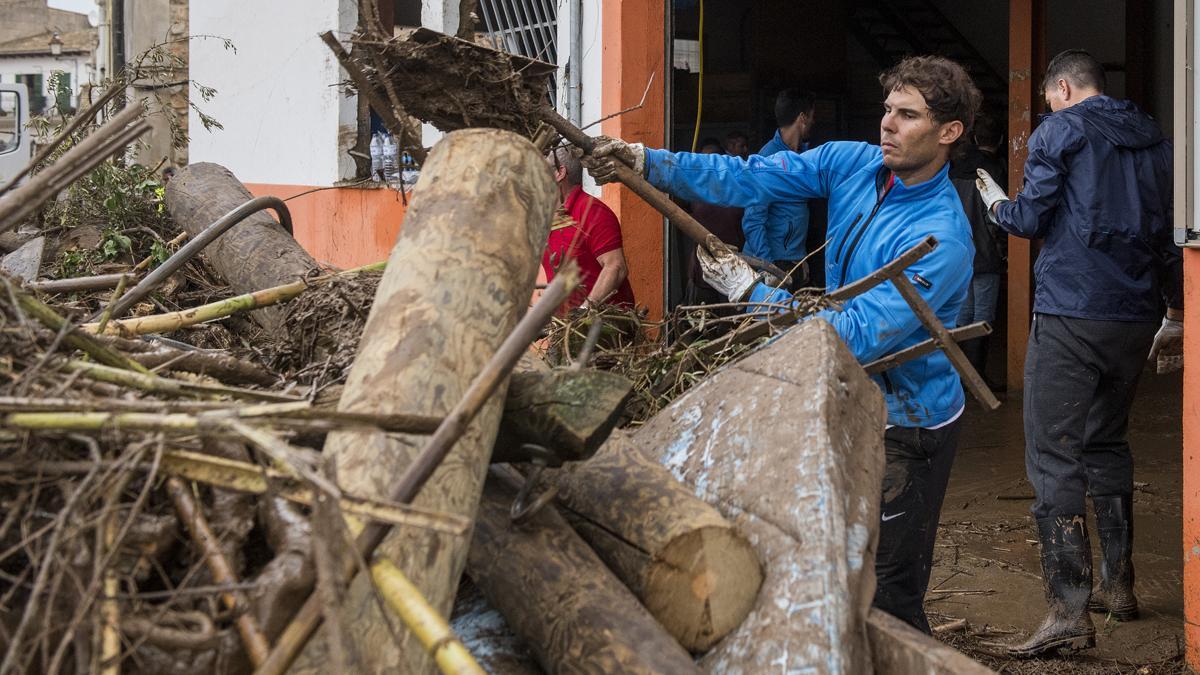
[256,253]
[456,284]
[788,444]
[558,596]
[695,573]
[568,412]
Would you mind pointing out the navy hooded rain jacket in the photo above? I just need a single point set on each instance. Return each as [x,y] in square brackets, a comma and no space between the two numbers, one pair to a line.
[1098,190]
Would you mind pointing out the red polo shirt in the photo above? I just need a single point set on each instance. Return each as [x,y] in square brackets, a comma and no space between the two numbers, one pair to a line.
[592,231]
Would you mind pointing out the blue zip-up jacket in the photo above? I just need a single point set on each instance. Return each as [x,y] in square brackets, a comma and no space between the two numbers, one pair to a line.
[868,228]
[776,231]
[1098,190]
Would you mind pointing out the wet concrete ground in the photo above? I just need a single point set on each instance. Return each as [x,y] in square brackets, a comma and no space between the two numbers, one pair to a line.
[986,563]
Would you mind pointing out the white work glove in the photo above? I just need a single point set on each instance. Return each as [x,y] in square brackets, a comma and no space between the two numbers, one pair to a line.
[989,189]
[599,162]
[1167,352]
[725,271]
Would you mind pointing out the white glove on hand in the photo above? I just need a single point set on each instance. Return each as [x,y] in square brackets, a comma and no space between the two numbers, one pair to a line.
[1167,351]
[600,162]
[725,271]
[989,189]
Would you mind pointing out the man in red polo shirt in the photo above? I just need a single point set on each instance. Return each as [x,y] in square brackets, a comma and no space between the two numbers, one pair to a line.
[590,233]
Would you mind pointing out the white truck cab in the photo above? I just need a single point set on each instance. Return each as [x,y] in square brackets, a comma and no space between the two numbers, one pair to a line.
[16,143]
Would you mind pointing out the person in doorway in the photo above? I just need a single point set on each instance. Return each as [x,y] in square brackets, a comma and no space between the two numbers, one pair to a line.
[883,200]
[723,221]
[1098,192]
[776,231]
[588,232]
[989,259]
[737,144]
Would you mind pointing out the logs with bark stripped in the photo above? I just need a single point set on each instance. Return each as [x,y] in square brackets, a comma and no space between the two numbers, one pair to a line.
[456,284]
[560,598]
[256,253]
[695,573]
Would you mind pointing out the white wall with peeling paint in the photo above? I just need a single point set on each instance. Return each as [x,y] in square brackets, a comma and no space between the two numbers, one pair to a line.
[276,91]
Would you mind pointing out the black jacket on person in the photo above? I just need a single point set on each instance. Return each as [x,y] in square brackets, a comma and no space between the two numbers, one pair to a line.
[1098,190]
[989,258]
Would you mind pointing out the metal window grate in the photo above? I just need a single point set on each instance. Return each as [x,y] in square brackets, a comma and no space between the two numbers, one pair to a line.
[525,27]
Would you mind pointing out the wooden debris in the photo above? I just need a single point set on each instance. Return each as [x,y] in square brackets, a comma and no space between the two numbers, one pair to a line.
[256,253]
[559,597]
[687,564]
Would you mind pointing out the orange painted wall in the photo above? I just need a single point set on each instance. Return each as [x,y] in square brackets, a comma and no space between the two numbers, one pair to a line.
[633,50]
[1191,456]
[345,226]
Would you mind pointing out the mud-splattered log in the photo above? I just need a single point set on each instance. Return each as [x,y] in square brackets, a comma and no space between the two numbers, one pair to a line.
[457,282]
[558,596]
[256,253]
[569,413]
[695,573]
[788,444]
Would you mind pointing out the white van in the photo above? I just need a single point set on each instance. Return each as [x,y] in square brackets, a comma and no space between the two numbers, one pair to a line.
[16,145]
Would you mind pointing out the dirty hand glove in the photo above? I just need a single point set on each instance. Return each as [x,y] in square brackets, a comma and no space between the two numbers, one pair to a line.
[989,189]
[600,164]
[725,271]
[1167,351]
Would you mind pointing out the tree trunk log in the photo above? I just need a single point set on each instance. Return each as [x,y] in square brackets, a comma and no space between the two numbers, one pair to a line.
[695,573]
[254,254]
[456,284]
[558,596]
[569,413]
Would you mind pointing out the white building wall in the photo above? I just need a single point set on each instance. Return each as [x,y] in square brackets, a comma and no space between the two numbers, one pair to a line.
[77,66]
[276,94]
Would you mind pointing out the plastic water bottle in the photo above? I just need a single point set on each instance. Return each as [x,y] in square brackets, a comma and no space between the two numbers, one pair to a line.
[391,159]
[376,157]
[408,171]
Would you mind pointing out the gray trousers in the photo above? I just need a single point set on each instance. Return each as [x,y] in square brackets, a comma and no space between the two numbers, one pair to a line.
[1080,379]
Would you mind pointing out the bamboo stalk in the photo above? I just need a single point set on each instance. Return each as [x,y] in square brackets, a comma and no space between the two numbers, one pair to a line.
[163,385]
[112,300]
[165,323]
[292,414]
[308,619]
[110,609]
[145,262]
[193,518]
[423,620]
[76,338]
[93,283]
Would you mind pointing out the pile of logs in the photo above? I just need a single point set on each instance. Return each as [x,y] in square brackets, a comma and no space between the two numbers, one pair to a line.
[707,541]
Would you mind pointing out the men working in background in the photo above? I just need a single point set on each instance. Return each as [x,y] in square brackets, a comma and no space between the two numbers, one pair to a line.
[590,234]
[723,221]
[1098,192]
[980,304]
[882,202]
[775,231]
[737,144]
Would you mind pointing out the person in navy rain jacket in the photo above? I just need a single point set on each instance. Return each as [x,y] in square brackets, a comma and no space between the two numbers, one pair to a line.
[883,200]
[1098,192]
[776,231]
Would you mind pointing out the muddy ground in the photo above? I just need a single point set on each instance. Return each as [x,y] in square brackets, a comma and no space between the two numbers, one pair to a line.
[986,566]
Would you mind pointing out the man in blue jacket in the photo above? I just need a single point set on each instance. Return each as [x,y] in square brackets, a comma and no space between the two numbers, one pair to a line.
[883,200]
[1098,191]
[776,231]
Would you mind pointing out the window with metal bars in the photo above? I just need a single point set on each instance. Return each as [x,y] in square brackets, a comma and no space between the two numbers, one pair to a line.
[525,27]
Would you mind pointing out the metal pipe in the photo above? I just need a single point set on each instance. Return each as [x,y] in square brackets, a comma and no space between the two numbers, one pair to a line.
[575,71]
[199,243]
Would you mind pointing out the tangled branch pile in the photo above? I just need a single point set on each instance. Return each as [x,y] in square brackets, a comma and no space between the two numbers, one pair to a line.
[667,358]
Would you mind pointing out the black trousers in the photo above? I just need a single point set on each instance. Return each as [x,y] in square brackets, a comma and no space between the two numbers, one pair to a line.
[1080,379]
[914,485]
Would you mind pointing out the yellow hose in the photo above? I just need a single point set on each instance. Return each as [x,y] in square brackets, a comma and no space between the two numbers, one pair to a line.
[699,79]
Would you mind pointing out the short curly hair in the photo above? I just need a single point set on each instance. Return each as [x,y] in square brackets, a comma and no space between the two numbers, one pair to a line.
[946,86]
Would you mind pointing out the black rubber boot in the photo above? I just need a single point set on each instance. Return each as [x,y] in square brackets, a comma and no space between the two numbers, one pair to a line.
[1067,572]
[1114,594]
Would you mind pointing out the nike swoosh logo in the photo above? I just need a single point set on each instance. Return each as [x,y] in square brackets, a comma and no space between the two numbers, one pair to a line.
[886,517]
